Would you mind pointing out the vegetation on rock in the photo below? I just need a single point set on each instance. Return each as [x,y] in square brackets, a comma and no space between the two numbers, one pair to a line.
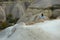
[9,22]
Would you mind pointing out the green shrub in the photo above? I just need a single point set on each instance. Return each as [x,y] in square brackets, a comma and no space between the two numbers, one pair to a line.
[9,22]
[9,16]
[3,25]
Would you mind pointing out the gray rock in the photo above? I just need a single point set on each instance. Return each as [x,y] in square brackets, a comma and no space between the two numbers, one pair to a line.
[56,13]
[44,3]
[2,14]
[14,8]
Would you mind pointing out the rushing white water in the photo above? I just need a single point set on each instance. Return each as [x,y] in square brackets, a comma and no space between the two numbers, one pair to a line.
[48,30]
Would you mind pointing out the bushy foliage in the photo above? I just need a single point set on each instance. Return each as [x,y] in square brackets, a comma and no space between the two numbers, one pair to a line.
[3,25]
[9,21]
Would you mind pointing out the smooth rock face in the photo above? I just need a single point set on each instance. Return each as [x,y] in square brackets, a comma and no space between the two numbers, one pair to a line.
[48,30]
[56,13]
[9,7]
[2,14]
[14,8]
[44,3]
[18,11]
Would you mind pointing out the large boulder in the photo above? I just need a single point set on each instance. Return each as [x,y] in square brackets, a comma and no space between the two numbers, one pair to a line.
[46,4]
